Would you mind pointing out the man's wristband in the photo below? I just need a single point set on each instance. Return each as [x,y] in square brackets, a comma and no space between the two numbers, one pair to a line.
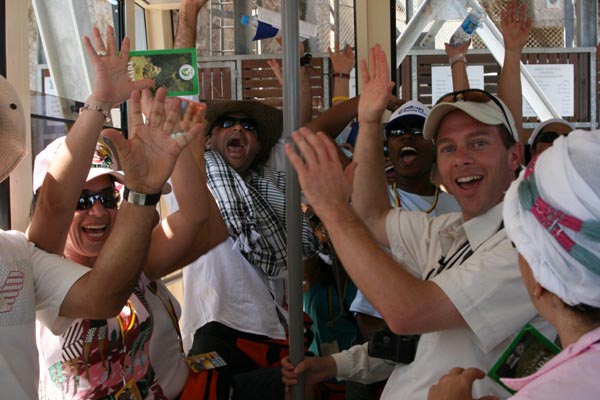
[339,98]
[457,58]
[140,199]
[340,75]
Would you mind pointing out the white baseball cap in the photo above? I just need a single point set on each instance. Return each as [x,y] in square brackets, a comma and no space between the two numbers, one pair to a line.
[103,163]
[411,108]
[488,112]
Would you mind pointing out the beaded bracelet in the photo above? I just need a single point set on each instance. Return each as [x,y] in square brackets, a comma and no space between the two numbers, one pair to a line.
[95,107]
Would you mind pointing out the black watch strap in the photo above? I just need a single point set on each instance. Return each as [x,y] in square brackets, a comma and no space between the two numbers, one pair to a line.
[140,199]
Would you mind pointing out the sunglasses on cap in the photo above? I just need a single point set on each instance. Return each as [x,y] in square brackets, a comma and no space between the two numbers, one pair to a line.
[246,123]
[476,96]
[402,131]
[546,137]
[109,198]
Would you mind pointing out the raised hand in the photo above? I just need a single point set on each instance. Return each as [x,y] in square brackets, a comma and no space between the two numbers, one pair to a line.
[376,87]
[516,26]
[453,51]
[112,84]
[276,68]
[342,61]
[149,155]
[324,183]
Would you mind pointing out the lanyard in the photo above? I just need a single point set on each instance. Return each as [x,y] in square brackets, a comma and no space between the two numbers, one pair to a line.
[170,310]
[398,204]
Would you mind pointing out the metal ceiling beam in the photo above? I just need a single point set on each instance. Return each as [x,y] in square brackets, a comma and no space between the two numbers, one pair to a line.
[489,34]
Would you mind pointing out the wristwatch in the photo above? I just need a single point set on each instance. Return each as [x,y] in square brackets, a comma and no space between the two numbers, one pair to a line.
[140,199]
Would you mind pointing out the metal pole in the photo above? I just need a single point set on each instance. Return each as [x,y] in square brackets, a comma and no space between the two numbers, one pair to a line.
[336,22]
[291,122]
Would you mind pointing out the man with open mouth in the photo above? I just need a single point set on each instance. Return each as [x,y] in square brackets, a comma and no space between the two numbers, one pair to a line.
[411,159]
[233,295]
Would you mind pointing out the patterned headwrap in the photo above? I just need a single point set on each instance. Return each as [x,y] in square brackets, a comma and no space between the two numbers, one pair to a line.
[552,214]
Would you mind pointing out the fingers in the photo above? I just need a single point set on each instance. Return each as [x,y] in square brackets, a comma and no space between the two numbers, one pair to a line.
[473,374]
[383,72]
[157,109]
[364,72]
[111,42]
[146,101]
[295,159]
[172,115]
[470,374]
[89,49]
[329,52]
[135,111]
[98,42]
[117,139]
[143,84]
[124,53]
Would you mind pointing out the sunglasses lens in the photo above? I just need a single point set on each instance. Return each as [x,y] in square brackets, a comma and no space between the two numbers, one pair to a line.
[227,122]
[108,198]
[246,123]
[402,131]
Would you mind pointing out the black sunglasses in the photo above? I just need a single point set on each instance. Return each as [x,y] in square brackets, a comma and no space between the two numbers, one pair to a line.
[402,131]
[476,96]
[546,137]
[246,123]
[109,198]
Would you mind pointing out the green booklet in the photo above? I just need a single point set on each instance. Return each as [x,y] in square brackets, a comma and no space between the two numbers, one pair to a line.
[174,69]
[527,353]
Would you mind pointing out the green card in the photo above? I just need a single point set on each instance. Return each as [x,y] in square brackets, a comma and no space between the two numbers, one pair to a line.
[174,69]
[527,353]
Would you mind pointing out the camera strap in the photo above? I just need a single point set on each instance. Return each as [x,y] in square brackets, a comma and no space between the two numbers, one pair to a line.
[463,252]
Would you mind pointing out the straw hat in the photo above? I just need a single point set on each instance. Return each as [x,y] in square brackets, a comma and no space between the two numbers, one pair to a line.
[12,129]
[269,121]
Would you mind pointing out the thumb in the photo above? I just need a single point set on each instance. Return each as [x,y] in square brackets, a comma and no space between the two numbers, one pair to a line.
[350,170]
[473,374]
[143,84]
[118,140]
[188,136]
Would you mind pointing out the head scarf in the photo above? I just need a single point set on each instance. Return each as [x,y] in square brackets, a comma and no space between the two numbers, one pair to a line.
[552,214]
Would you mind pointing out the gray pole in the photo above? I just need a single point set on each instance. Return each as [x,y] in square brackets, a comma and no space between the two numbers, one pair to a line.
[336,22]
[291,122]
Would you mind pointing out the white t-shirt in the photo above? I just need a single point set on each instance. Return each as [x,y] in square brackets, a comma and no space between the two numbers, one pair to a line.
[166,355]
[486,288]
[223,286]
[33,284]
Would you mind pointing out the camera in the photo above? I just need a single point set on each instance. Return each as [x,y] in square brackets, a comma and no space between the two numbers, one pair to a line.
[387,345]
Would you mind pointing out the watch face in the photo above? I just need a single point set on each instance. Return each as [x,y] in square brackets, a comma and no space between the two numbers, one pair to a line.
[140,199]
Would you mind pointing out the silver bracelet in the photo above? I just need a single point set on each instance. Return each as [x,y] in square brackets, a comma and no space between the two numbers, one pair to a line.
[95,107]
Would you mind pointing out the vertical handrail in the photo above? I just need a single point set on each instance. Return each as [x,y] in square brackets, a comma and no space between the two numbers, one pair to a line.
[291,122]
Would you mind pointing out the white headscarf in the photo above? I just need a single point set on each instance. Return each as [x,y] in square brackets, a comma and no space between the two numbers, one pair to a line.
[564,258]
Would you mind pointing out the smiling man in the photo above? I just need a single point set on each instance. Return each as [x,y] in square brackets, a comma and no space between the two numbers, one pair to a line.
[453,279]
[413,158]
